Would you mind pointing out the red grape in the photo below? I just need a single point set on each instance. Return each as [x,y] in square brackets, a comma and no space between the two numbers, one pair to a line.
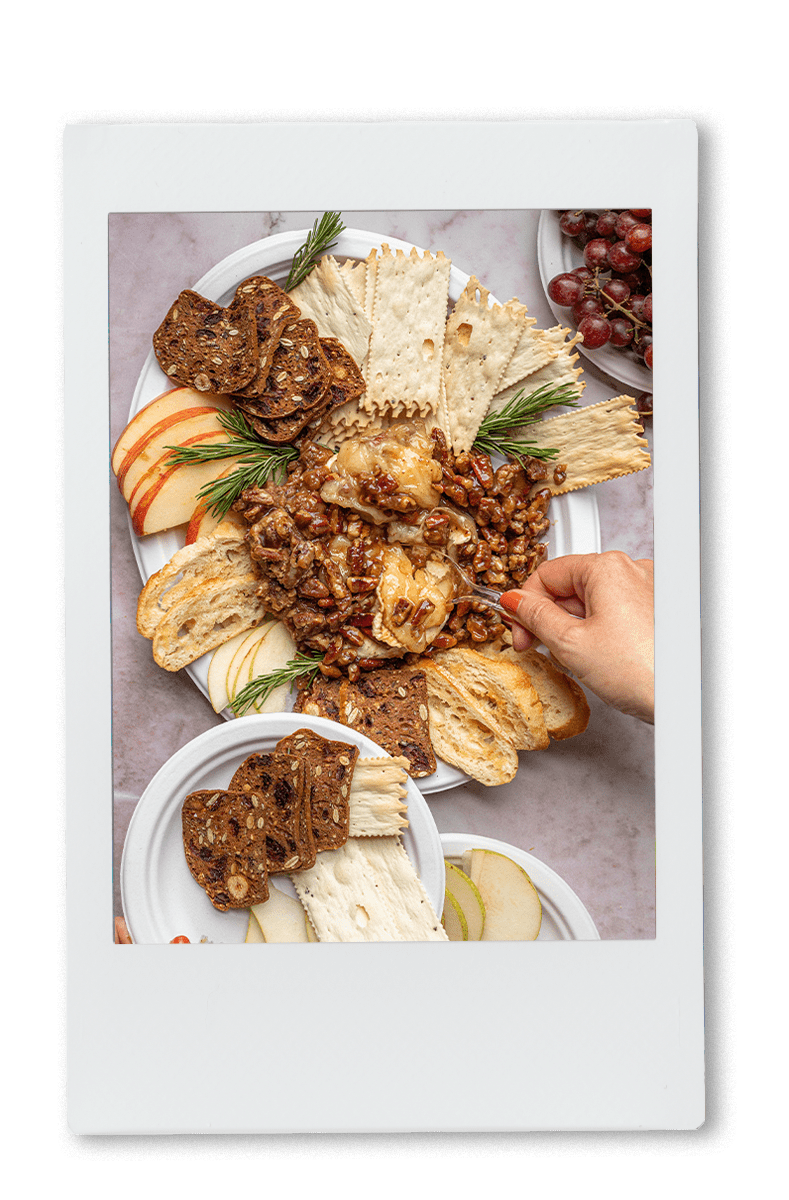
[648,308]
[590,306]
[639,238]
[643,343]
[565,289]
[643,214]
[635,305]
[582,273]
[644,404]
[648,356]
[621,259]
[625,221]
[622,331]
[596,253]
[595,331]
[606,223]
[571,223]
[616,290]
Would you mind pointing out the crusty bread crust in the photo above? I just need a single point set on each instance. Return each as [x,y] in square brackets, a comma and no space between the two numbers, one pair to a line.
[221,554]
[463,734]
[564,704]
[501,689]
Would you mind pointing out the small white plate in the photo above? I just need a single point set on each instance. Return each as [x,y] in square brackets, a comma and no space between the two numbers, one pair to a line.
[575,527]
[160,898]
[564,918]
[557,253]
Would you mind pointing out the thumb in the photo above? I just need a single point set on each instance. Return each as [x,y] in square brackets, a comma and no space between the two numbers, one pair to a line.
[540,615]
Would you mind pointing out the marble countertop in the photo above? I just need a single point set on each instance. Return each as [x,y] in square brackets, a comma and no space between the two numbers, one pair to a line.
[585,807]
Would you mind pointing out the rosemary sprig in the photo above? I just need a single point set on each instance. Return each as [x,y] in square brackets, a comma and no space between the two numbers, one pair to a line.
[258,461]
[258,690]
[323,235]
[493,435]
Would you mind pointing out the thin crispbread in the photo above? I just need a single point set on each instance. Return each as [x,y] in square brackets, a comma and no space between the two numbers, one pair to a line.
[561,371]
[272,309]
[388,706]
[408,325]
[332,769]
[327,299]
[224,843]
[598,442]
[299,374]
[355,275]
[378,805]
[533,351]
[280,781]
[480,340]
[205,346]
[368,891]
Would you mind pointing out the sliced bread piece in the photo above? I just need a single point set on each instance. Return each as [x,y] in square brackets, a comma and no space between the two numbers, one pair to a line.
[222,554]
[501,689]
[564,704]
[463,734]
[214,611]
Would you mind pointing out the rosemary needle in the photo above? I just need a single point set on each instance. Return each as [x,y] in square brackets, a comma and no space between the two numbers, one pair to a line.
[323,235]
[494,433]
[257,461]
[258,690]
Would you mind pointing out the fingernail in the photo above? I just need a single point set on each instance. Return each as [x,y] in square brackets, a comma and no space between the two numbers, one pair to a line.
[510,601]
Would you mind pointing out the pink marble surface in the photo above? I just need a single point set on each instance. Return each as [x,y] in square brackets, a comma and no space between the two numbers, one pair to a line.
[585,807]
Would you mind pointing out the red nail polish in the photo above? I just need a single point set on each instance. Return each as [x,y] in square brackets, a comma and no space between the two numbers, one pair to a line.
[510,600]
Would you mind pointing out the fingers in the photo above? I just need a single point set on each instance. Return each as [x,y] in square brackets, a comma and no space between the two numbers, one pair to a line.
[540,615]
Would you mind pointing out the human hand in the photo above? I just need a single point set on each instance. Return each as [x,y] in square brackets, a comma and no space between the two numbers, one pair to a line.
[122,937]
[596,615]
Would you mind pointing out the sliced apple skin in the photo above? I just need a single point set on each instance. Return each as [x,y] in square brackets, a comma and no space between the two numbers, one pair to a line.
[181,430]
[204,521]
[466,892]
[513,912]
[168,404]
[170,499]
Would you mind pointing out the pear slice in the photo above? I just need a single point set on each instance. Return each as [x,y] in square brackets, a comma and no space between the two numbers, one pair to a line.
[275,650]
[254,932]
[311,934]
[467,895]
[513,912]
[281,918]
[217,670]
[454,920]
[234,666]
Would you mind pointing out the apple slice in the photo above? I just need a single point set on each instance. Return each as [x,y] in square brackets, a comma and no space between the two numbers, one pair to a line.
[163,407]
[170,498]
[276,649]
[181,430]
[281,918]
[204,521]
[467,895]
[217,670]
[513,912]
[254,932]
[453,919]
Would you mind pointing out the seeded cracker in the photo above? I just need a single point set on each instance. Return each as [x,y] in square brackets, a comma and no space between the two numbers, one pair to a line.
[298,377]
[409,320]
[480,341]
[599,442]
[390,707]
[206,347]
[280,783]
[224,843]
[272,309]
[331,775]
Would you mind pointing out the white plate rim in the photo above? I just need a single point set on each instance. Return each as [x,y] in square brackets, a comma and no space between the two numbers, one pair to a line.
[575,527]
[557,253]
[556,895]
[164,794]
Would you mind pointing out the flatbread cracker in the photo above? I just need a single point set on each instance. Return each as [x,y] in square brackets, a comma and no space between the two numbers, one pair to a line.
[326,298]
[534,350]
[480,341]
[368,891]
[355,275]
[560,371]
[599,442]
[377,800]
[409,321]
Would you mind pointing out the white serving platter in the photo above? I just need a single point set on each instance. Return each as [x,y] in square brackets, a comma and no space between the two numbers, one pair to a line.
[575,527]
[564,917]
[160,898]
[557,253]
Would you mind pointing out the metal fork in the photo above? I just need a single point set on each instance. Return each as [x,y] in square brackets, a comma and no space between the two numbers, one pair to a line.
[484,595]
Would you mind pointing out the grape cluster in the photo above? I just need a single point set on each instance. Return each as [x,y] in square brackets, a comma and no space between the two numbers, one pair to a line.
[611,294]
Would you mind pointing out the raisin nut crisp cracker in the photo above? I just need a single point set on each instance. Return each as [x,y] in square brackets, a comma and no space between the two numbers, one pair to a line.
[207,347]
[224,836]
[280,782]
[332,766]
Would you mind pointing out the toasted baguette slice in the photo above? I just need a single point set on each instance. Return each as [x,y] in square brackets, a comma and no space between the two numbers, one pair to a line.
[220,555]
[214,611]
[564,704]
[463,735]
[501,689]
